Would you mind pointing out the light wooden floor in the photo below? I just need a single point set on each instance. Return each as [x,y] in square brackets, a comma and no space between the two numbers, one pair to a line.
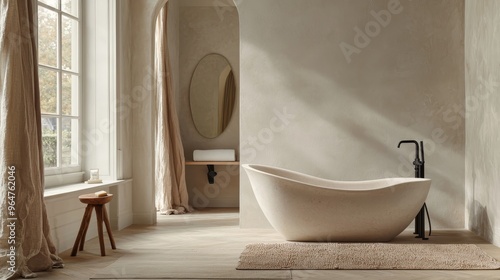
[207,244]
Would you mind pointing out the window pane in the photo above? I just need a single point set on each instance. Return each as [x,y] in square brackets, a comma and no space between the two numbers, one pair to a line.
[69,44]
[69,141]
[52,3]
[48,90]
[47,36]
[70,7]
[58,57]
[49,141]
[69,94]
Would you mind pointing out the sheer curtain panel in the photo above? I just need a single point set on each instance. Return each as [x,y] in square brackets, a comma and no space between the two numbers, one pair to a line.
[170,170]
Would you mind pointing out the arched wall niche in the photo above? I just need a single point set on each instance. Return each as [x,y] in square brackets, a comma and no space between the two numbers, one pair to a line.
[142,25]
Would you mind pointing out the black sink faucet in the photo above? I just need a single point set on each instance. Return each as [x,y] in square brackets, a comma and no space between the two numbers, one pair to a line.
[419,173]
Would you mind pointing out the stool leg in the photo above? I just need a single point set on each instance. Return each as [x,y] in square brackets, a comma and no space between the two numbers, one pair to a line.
[83,227]
[88,217]
[108,227]
[98,210]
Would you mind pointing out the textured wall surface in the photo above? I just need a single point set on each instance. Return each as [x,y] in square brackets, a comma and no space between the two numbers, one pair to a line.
[482,80]
[204,30]
[142,18]
[329,88]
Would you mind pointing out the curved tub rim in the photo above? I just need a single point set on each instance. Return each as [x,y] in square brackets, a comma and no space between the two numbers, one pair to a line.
[404,180]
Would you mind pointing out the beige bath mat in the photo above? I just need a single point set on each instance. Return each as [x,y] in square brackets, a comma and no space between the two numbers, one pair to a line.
[296,255]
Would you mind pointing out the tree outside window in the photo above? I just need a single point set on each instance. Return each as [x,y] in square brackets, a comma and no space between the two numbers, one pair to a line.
[59,76]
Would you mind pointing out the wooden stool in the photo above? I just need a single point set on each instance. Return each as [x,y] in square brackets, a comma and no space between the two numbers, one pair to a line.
[93,201]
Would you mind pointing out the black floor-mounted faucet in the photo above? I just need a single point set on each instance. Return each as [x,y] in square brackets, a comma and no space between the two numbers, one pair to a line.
[419,173]
[419,164]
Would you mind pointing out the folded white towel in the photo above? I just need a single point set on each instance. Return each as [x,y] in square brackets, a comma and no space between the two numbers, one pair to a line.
[214,155]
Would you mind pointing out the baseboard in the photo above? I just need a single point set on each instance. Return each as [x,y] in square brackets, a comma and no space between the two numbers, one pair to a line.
[124,219]
[144,218]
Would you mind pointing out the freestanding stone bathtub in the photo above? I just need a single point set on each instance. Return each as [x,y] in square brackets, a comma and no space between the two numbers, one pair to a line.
[307,208]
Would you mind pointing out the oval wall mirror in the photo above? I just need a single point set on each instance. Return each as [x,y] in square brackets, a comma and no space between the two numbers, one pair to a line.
[211,95]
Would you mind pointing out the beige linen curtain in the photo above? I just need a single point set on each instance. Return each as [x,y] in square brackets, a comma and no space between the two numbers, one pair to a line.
[171,190]
[21,148]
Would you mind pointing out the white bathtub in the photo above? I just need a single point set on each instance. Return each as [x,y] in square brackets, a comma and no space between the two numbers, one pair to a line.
[307,208]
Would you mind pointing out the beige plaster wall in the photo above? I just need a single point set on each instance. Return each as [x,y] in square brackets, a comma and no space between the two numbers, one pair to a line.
[142,16]
[482,57]
[123,78]
[320,98]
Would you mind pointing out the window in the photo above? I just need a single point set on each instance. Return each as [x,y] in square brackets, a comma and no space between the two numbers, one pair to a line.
[59,76]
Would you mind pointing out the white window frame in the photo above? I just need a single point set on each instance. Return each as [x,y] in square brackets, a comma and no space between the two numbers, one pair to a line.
[61,175]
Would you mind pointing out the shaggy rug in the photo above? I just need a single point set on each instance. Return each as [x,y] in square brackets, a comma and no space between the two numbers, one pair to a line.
[365,256]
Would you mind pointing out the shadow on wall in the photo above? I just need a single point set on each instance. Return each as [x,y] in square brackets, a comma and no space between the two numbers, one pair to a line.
[385,88]
[479,221]
[350,115]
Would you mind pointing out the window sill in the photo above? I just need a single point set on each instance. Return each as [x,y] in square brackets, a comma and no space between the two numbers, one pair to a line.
[79,187]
